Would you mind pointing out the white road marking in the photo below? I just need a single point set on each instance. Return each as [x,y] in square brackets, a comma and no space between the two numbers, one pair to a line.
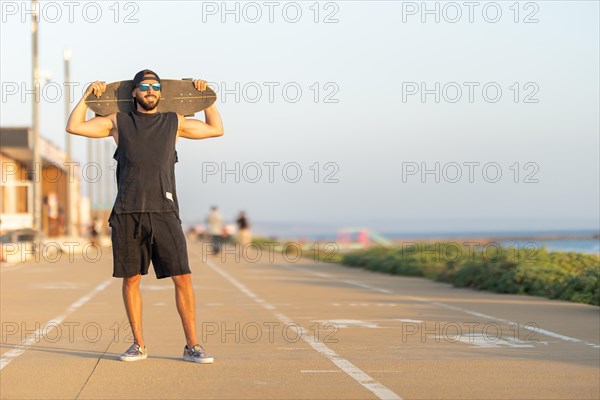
[352,370]
[421,346]
[319,274]
[364,285]
[416,321]
[57,285]
[562,337]
[337,370]
[509,322]
[344,323]
[49,326]
[483,341]
[366,304]
[534,329]
[329,276]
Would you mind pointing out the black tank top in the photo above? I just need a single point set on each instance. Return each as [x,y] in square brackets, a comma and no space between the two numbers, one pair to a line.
[146,160]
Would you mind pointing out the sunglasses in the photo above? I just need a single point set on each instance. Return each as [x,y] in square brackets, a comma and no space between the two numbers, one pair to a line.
[144,87]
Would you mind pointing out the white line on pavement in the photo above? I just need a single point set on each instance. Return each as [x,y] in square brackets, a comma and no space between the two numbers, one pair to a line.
[49,326]
[329,276]
[464,310]
[319,274]
[309,371]
[352,370]
[364,285]
[508,322]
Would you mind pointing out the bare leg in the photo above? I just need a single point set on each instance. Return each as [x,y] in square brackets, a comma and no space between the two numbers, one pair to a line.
[133,306]
[184,296]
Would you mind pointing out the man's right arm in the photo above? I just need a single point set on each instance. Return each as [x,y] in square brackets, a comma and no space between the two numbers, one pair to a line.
[97,127]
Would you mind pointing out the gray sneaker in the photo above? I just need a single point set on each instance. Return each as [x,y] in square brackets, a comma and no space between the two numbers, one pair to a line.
[134,353]
[197,354]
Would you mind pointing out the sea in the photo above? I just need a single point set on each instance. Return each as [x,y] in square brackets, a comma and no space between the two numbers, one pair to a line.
[581,241]
[565,241]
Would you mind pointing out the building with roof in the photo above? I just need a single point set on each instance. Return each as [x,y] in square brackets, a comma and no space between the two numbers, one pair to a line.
[59,177]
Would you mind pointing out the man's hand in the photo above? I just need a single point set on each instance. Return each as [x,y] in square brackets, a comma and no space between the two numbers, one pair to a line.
[196,129]
[200,85]
[97,88]
[97,127]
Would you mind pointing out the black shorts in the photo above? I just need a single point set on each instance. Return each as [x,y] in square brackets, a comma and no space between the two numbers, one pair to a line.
[138,238]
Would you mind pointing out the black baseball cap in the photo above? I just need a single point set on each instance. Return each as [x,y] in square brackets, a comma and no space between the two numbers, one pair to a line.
[143,74]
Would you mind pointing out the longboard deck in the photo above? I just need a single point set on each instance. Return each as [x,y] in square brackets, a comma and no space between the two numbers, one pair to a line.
[179,96]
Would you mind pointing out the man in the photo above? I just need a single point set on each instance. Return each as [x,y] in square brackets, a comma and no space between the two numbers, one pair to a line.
[214,224]
[145,217]
[244,235]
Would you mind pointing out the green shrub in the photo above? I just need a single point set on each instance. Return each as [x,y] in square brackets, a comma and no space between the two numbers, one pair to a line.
[563,275]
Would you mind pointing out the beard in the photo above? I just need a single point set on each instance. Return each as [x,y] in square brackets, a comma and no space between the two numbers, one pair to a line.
[148,103]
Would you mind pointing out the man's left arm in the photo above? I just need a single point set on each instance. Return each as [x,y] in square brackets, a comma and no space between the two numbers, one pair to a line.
[196,129]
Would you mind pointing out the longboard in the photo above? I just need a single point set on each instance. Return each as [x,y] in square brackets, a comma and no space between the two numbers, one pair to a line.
[179,96]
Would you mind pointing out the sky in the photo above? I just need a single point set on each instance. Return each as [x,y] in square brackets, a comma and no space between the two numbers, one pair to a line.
[395,116]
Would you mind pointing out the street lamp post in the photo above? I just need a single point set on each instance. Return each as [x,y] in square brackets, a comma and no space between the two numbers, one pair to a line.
[37,167]
[67,60]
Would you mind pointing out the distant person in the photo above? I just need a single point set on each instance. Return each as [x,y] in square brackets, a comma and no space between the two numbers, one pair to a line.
[214,225]
[145,217]
[244,235]
[95,228]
